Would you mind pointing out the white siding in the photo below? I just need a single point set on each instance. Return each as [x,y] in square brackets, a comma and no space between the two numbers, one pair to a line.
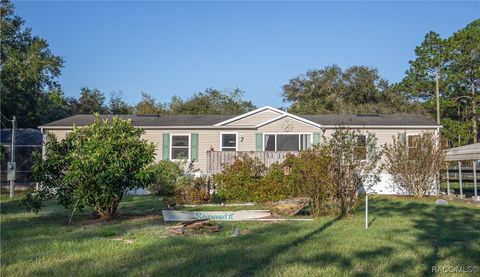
[255,119]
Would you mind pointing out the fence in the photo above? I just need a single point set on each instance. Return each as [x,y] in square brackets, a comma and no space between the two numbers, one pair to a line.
[24,160]
[217,159]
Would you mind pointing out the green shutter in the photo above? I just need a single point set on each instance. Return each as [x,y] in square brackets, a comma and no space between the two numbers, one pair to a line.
[194,147]
[166,146]
[402,137]
[259,142]
[316,138]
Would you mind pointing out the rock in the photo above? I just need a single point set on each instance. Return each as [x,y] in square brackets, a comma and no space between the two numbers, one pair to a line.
[290,207]
[442,202]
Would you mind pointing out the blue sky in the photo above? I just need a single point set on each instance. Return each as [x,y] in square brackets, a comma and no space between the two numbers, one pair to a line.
[179,48]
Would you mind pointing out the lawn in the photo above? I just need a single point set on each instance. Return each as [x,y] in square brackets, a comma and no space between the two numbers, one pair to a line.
[405,237]
[468,188]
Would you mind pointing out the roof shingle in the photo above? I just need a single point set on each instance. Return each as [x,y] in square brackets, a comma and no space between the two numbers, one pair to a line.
[145,120]
[209,120]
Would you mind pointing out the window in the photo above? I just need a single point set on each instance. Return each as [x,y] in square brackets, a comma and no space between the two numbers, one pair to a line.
[413,145]
[229,142]
[361,147]
[180,147]
[305,141]
[287,142]
[270,143]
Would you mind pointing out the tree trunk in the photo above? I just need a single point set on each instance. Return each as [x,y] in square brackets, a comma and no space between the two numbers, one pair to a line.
[437,95]
[110,211]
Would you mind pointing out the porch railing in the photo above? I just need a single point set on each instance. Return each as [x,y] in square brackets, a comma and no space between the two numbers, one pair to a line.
[217,159]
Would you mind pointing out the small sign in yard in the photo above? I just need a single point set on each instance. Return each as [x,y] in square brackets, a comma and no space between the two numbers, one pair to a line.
[170,215]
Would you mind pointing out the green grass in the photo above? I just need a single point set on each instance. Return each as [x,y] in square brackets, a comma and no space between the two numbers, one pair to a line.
[406,237]
[467,187]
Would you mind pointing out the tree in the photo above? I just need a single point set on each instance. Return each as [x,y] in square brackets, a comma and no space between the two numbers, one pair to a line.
[148,105]
[53,105]
[93,167]
[28,69]
[118,106]
[91,101]
[464,69]
[355,165]
[358,89]
[415,164]
[430,61]
[212,101]
[456,62]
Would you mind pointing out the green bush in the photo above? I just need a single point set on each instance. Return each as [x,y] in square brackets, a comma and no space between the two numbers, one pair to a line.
[247,179]
[312,177]
[331,175]
[274,185]
[93,167]
[240,180]
[165,175]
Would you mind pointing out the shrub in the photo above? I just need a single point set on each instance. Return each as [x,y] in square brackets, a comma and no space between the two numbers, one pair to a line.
[312,177]
[240,180]
[274,185]
[415,165]
[164,177]
[93,167]
[354,166]
[193,190]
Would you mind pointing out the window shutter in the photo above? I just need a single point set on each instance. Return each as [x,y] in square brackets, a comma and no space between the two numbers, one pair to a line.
[259,142]
[194,147]
[166,146]
[402,137]
[316,138]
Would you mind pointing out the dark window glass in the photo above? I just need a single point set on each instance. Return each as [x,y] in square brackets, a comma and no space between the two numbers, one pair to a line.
[179,153]
[179,140]
[229,141]
[269,142]
[180,148]
[287,142]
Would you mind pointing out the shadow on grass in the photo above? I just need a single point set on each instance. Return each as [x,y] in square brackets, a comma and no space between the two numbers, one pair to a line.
[447,232]
[450,232]
[239,256]
[11,206]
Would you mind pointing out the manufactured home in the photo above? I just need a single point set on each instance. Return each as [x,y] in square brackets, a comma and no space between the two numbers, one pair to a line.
[211,141]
